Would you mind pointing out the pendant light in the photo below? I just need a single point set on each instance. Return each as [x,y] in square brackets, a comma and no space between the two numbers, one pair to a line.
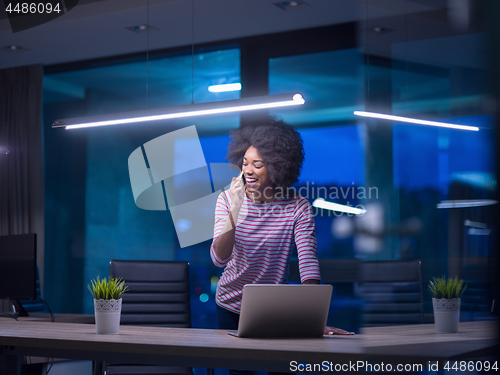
[189,110]
[321,203]
[414,120]
[410,120]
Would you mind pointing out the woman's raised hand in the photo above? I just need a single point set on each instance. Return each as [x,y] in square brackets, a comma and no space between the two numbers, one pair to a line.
[237,191]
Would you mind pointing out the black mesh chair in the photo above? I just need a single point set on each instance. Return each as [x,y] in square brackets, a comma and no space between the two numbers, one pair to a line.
[158,295]
[391,292]
[332,271]
[345,306]
[476,302]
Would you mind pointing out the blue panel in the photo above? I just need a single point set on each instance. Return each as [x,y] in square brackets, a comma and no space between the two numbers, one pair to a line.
[334,156]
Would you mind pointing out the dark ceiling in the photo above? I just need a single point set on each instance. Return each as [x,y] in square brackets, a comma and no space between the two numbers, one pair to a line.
[96,29]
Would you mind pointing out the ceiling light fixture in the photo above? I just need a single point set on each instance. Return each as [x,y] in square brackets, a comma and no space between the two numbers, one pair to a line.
[144,28]
[414,120]
[478,232]
[15,49]
[475,224]
[189,110]
[289,5]
[225,88]
[380,30]
[321,203]
[466,203]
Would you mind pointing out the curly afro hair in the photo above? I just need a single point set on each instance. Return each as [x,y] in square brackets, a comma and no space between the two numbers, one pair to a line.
[279,144]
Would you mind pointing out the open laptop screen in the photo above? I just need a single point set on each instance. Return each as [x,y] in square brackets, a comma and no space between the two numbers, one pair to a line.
[270,310]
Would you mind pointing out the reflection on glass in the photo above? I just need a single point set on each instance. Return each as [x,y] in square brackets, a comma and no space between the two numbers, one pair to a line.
[112,225]
[330,82]
[414,120]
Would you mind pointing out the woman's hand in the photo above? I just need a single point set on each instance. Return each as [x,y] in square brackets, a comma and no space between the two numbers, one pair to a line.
[336,331]
[237,191]
[224,244]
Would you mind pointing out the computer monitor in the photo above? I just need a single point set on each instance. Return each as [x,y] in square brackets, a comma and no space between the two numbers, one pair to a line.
[18,268]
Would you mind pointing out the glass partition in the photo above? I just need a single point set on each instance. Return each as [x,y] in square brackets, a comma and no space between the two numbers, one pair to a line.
[404,175]
[91,216]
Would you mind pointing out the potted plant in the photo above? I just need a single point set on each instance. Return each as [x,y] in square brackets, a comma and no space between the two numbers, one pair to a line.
[107,303]
[446,303]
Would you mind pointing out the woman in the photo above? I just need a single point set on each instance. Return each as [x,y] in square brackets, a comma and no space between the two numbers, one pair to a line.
[259,219]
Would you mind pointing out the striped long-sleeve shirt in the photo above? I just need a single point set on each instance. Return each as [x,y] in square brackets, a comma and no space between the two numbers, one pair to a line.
[264,239]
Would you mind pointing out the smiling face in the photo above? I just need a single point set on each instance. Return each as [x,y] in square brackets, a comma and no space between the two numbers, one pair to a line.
[258,183]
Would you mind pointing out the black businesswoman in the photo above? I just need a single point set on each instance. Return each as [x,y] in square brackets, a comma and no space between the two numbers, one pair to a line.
[258,220]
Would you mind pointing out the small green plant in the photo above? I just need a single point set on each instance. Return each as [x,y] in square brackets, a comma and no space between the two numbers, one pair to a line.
[107,289]
[451,288]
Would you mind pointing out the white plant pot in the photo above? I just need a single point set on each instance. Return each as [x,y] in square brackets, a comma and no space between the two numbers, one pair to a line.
[446,314]
[107,316]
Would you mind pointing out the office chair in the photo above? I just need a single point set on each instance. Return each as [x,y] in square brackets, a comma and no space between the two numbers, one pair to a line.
[476,302]
[158,295]
[345,306]
[331,270]
[391,292]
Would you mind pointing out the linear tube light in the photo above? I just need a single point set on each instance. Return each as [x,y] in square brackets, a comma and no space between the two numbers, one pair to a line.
[225,88]
[189,110]
[414,120]
[321,203]
[466,203]
[475,224]
[478,232]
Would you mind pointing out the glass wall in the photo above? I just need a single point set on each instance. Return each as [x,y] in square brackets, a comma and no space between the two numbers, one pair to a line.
[91,213]
[412,170]
[437,197]
[433,166]
[334,167]
[404,173]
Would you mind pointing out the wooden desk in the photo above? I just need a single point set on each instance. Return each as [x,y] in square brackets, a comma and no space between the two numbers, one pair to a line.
[216,349]
[59,318]
[420,343]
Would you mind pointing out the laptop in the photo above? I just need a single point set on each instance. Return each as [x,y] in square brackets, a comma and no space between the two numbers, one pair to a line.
[270,310]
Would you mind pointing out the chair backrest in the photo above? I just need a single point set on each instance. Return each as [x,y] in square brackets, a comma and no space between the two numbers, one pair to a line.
[345,307]
[477,298]
[391,291]
[158,292]
[331,270]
